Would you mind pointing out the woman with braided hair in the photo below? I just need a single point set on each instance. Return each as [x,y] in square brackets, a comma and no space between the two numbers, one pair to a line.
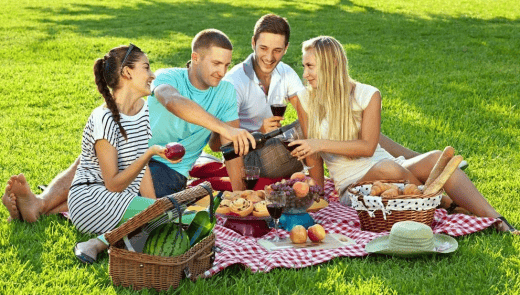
[112,182]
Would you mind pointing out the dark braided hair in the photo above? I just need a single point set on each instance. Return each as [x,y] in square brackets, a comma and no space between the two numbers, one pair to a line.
[107,72]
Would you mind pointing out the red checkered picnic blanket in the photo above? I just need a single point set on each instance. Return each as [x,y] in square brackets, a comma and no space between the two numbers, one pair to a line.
[335,218]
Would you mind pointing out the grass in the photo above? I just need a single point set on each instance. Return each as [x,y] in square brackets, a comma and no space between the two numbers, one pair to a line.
[447,70]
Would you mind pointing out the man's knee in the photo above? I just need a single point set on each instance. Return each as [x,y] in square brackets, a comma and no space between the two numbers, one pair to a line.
[166,181]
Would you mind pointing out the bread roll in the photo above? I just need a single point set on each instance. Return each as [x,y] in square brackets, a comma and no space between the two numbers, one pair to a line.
[223,208]
[260,209]
[241,207]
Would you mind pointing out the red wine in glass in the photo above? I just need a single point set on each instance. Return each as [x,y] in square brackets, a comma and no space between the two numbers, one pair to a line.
[278,109]
[275,210]
[286,144]
[250,182]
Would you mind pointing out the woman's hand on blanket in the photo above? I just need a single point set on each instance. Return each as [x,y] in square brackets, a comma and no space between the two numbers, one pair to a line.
[161,151]
[306,148]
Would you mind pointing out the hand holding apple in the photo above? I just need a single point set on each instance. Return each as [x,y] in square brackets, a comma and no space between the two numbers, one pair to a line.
[174,151]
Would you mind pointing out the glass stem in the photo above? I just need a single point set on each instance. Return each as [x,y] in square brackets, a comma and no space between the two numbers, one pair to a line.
[276,229]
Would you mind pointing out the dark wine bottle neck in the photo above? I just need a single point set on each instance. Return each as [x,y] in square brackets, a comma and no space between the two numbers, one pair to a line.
[273,133]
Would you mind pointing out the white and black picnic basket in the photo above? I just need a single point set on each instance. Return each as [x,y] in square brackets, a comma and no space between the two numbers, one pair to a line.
[378,214]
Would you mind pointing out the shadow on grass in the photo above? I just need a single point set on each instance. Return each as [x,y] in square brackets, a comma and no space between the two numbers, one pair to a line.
[384,49]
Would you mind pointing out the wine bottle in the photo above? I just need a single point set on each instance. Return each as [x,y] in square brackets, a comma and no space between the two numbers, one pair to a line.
[228,150]
[203,222]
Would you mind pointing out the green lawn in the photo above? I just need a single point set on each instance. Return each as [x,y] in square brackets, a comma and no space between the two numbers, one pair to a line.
[448,72]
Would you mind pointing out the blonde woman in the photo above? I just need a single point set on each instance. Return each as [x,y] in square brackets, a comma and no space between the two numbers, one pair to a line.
[342,123]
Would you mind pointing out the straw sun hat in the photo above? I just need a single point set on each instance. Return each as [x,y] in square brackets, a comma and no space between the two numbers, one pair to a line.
[411,238]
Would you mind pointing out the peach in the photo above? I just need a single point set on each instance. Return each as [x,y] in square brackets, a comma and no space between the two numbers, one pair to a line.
[301,189]
[316,233]
[298,175]
[298,234]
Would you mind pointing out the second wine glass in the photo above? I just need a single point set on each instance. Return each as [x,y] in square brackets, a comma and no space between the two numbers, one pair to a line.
[275,204]
[250,176]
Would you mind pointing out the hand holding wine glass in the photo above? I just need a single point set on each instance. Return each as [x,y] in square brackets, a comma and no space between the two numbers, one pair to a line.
[279,105]
[275,204]
[289,136]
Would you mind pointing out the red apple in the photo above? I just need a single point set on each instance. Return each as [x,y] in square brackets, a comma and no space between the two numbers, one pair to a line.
[316,233]
[298,234]
[174,151]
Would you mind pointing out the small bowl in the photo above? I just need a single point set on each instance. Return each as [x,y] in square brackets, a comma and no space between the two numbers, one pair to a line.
[295,205]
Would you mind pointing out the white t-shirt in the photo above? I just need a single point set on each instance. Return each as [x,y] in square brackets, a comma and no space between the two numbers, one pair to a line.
[344,170]
[253,105]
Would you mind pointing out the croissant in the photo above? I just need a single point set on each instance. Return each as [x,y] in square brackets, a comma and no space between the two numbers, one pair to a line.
[377,188]
[391,192]
[411,189]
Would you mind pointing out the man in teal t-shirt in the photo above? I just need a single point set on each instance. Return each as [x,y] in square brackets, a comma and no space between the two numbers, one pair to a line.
[188,104]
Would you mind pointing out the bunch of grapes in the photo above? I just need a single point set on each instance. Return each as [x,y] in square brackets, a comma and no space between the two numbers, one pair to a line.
[317,190]
[286,186]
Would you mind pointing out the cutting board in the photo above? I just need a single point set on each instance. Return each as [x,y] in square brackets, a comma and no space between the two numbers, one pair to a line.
[203,203]
[331,241]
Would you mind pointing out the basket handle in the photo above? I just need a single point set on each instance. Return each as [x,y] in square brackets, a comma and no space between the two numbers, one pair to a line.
[157,208]
[175,204]
[206,256]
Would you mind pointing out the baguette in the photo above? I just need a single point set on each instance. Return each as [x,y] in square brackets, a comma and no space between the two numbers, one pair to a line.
[443,160]
[439,182]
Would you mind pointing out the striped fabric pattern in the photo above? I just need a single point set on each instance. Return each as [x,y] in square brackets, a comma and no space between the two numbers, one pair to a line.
[94,209]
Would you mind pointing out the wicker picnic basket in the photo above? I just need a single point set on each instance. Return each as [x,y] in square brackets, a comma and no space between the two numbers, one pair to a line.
[378,220]
[139,270]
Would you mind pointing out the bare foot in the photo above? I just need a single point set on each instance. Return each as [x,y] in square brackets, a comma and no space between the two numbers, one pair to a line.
[505,226]
[28,204]
[9,203]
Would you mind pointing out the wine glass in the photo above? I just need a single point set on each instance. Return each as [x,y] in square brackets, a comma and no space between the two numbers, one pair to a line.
[275,201]
[289,136]
[250,176]
[278,105]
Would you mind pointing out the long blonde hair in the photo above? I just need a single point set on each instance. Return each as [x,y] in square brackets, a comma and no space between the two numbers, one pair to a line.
[332,100]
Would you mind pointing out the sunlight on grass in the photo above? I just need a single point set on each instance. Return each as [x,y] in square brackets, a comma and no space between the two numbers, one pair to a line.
[447,72]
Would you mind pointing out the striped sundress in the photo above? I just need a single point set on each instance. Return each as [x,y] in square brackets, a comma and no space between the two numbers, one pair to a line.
[94,209]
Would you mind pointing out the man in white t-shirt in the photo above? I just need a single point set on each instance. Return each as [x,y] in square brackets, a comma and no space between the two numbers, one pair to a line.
[261,80]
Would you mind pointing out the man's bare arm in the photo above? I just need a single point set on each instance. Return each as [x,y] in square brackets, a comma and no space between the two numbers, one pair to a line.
[191,112]
[234,167]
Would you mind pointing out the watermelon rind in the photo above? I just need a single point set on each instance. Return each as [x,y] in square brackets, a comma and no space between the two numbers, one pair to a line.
[167,240]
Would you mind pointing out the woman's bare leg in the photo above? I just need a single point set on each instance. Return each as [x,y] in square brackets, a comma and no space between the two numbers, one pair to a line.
[389,170]
[458,187]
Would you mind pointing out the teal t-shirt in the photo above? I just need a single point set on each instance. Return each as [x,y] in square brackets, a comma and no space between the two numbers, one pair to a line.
[219,101]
